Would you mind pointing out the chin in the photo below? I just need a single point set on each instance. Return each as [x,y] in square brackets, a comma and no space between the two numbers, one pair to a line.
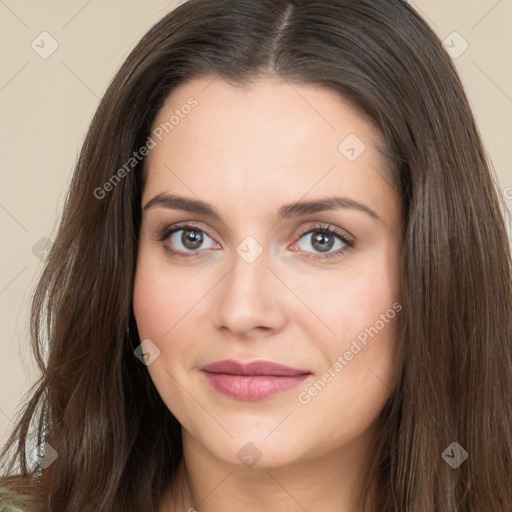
[250,450]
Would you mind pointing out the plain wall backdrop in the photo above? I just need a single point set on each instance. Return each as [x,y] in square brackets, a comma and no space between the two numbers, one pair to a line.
[57,59]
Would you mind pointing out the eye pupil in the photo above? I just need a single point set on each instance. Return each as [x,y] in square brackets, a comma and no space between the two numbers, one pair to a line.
[191,239]
[321,241]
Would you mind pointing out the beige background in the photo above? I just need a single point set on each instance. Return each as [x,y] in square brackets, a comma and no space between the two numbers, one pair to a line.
[46,105]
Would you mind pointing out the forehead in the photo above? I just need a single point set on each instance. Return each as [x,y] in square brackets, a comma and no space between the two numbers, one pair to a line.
[238,139]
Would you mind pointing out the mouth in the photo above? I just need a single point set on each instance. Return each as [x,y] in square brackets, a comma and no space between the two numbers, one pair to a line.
[252,381]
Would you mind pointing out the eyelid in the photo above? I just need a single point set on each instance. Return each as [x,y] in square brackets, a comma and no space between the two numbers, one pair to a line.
[334,230]
[168,229]
[348,240]
[304,231]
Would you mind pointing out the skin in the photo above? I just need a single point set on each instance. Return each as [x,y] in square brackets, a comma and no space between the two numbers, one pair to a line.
[247,152]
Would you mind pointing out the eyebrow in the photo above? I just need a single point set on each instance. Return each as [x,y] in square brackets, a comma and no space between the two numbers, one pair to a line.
[174,202]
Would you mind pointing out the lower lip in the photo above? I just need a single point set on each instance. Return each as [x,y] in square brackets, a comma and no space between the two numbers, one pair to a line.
[252,388]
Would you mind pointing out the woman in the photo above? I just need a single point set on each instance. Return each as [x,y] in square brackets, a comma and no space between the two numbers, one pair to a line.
[281,280]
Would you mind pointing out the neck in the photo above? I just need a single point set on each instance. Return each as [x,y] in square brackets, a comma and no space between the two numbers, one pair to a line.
[317,484]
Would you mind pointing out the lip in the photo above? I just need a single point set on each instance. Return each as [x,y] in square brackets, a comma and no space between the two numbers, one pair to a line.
[254,380]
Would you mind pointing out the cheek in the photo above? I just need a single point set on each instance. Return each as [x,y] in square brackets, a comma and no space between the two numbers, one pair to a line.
[168,306]
[347,396]
[351,305]
[159,313]
[359,354]
[160,298]
[149,304]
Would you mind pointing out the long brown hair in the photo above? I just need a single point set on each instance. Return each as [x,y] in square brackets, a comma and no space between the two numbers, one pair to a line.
[117,443]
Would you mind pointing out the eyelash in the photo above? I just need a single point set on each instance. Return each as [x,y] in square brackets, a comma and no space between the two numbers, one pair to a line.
[166,232]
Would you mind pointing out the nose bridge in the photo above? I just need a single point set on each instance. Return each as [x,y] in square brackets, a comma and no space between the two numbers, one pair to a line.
[245,299]
[249,275]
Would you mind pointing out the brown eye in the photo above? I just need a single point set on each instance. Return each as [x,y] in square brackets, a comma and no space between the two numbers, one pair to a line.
[191,239]
[186,240]
[324,241]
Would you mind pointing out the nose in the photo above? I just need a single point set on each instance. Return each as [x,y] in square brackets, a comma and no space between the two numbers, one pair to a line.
[250,298]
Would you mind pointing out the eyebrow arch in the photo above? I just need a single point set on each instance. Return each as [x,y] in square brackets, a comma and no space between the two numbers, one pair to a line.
[174,202]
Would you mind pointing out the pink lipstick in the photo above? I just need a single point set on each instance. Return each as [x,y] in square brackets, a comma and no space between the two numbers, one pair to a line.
[252,381]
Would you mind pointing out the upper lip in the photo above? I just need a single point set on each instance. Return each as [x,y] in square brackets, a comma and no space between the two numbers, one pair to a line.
[232,367]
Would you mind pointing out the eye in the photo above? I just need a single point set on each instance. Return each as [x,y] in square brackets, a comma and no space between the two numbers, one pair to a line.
[325,242]
[186,240]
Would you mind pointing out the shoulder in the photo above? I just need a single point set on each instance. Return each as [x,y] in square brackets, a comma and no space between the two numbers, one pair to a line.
[17,505]
[13,501]
[12,505]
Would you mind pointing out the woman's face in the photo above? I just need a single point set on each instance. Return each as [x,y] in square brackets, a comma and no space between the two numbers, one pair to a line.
[270,234]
